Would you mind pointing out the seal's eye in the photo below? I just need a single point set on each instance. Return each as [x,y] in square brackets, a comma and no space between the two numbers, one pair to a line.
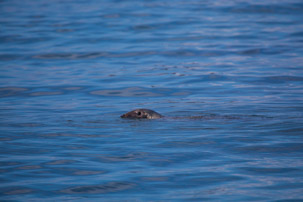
[139,113]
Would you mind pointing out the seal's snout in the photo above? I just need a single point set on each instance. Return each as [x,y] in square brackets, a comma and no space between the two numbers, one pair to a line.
[129,115]
[126,115]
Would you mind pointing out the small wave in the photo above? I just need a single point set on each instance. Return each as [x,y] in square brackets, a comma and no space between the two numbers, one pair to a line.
[45,93]
[11,91]
[267,9]
[128,92]
[93,55]
[18,190]
[270,170]
[29,167]
[168,53]
[76,171]
[123,158]
[51,135]
[99,189]
[281,79]
[60,162]
[139,92]
[278,149]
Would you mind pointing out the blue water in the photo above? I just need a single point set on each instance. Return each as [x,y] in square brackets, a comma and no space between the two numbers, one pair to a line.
[227,76]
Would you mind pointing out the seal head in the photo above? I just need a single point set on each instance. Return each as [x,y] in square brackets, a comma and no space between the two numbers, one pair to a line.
[142,114]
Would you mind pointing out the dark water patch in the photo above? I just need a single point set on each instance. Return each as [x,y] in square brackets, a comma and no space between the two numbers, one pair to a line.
[29,167]
[5,139]
[252,51]
[16,190]
[57,56]
[262,51]
[40,91]
[165,160]
[155,179]
[87,125]
[26,125]
[9,163]
[187,143]
[202,179]
[268,170]
[51,135]
[93,55]
[291,131]
[297,34]
[125,93]
[45,93]
[281,9]
[75,171]
[73,88]
[283,186]
[60,162]
[11,57]
[22,149]
[144,27]
[175,38]
[281,79]
[109,187]
[87,172]
[190,186]
[221,179]
[11,91]
[64,30]
[195,53]
[23,40]
[123,158]
[272,149]
[129,54]
[208,117]
[207,78]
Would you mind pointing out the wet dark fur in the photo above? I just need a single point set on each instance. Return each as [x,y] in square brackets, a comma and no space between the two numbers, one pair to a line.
[142,114]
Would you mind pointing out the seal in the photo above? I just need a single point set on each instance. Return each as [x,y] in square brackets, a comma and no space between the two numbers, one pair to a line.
[142,114]
[150,114]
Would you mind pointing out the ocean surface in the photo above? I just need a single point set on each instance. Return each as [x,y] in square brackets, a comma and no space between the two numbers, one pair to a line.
[227,76]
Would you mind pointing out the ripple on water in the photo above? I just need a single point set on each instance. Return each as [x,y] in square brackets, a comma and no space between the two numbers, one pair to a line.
[29,167]
[139,92]
[75,171]
[277,149]
[128,92]
[51,135]
[17,191]
[281,79]
[268,170]
[60,162]
[38,91]
[99,189]
[11,91]
[45,93]
[123,158]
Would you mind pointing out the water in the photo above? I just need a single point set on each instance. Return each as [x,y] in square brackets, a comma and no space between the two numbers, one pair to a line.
[69,69]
